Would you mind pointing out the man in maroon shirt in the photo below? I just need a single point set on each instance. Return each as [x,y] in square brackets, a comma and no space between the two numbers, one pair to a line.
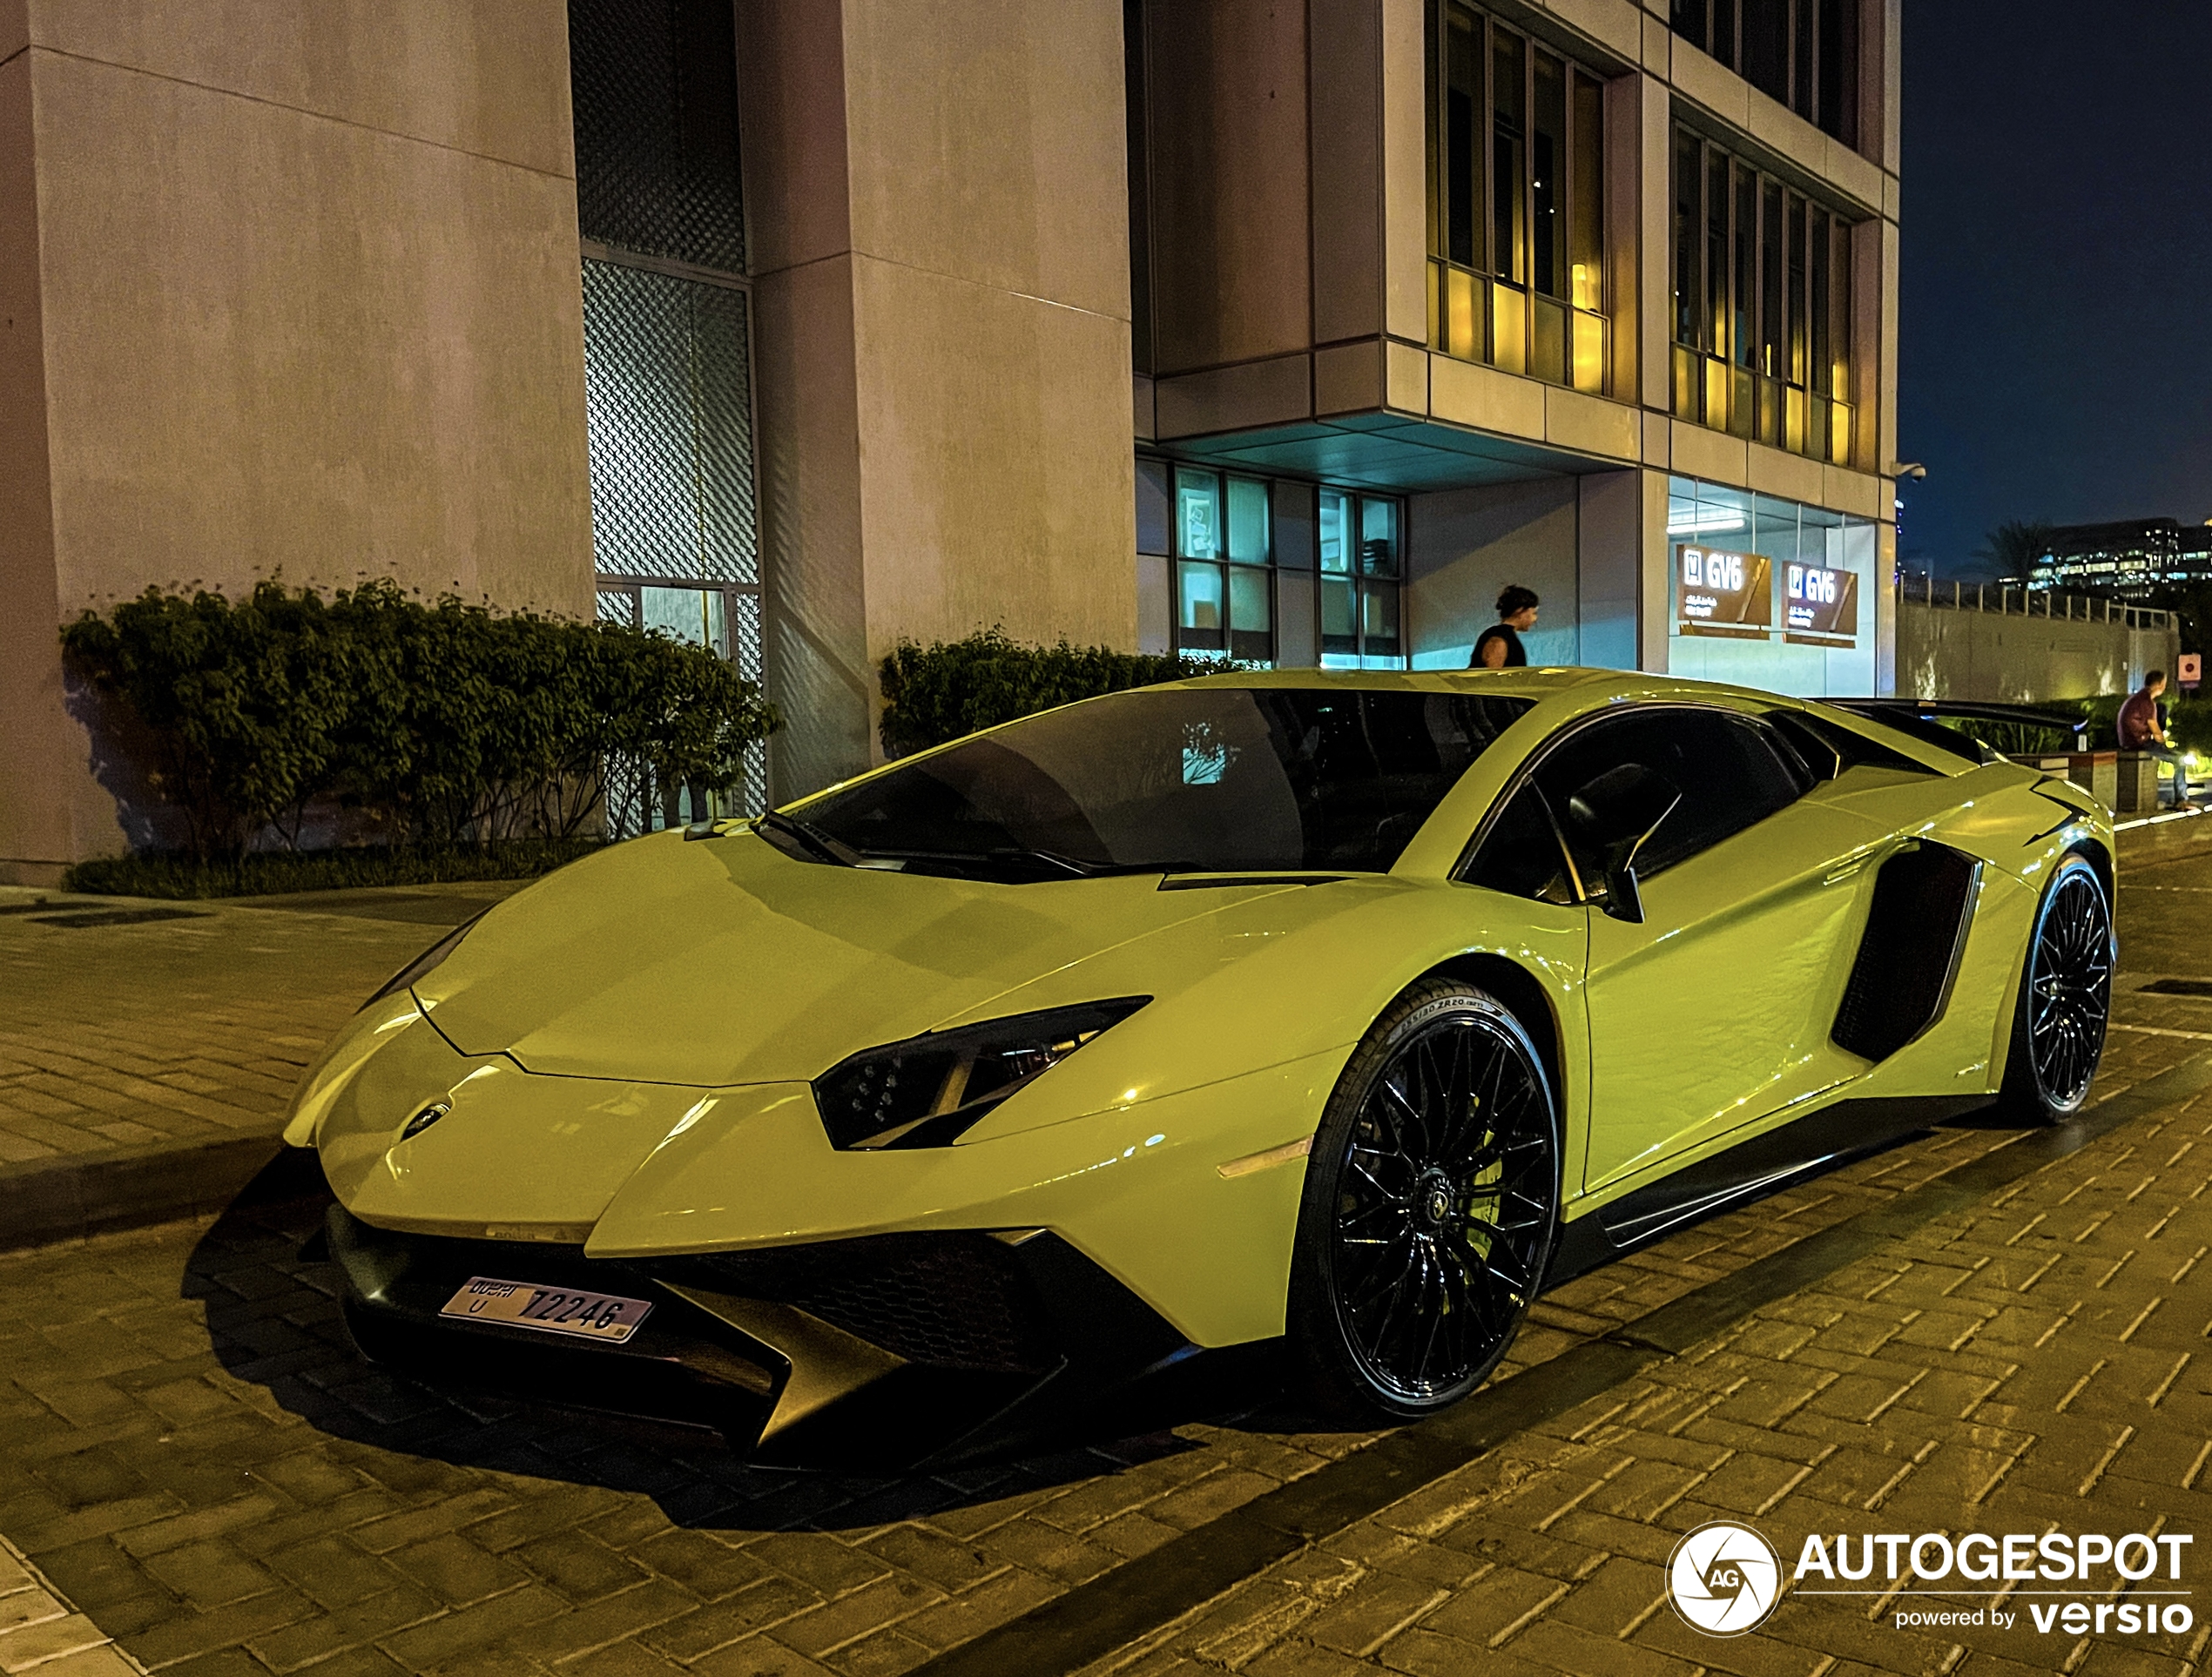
[2141,730]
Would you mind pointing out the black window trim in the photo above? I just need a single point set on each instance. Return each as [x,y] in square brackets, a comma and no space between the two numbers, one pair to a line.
[1530,765]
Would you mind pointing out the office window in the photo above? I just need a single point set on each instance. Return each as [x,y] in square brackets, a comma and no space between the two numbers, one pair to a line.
[1803,53]
[1516,149]
[1225,581]
[1362,567]
[1762,278]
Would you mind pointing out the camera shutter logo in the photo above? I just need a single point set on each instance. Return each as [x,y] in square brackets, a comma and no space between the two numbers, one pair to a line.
[1724,1579]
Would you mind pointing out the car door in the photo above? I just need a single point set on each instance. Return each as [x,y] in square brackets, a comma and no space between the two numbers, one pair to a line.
[1713,1012]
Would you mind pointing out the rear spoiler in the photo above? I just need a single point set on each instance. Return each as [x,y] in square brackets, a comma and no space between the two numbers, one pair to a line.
[1923,720]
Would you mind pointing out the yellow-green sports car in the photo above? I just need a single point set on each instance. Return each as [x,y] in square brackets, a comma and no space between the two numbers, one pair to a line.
[1338,1013]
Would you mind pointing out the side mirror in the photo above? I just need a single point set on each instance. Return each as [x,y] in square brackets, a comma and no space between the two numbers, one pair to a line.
[1610,817]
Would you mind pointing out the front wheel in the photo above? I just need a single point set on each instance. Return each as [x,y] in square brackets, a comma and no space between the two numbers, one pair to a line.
[1432,1197]
[2065,995]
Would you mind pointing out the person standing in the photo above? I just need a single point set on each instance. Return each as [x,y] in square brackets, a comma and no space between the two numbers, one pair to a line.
[1500,647]
[2141,730]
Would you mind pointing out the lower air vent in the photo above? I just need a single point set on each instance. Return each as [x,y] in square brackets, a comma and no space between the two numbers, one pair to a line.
[952,1300]
[1914,933]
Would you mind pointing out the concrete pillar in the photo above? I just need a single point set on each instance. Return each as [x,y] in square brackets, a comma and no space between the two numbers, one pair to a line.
[940,239]
[300,296]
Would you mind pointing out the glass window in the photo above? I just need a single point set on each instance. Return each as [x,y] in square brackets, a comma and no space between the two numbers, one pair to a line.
[699,616]
[1762,313]
[1152,507]
[1336,547]
[1586,190]
[1522,855]
[1197,514]
[1377,536]
[1202,621]
[1252,612]
[1201,780]
[1732,773]
[1360,563]
[1248,521]
[1462,162]
[1803,53]
[1517,203]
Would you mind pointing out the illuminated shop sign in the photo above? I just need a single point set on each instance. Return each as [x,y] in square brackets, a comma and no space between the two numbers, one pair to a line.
[1724,591]
[1819,600]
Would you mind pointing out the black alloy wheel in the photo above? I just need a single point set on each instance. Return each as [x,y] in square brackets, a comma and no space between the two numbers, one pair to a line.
[2066,997]
[1431,1200]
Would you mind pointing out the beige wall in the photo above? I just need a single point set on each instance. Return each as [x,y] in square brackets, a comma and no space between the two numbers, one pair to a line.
[1464,546]
[2021,656]
[940,255]
[307,302]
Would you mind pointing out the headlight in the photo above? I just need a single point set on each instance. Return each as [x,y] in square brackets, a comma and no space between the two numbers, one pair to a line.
[927,1090]
[411,974]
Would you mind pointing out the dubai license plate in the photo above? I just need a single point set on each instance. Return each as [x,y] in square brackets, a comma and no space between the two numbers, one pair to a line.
[552,1310]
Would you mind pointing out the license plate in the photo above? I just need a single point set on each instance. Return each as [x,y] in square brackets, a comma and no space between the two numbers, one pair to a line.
[552,1310]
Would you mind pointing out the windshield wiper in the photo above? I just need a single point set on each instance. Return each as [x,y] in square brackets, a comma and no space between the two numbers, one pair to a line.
[1024,857]
[822,845]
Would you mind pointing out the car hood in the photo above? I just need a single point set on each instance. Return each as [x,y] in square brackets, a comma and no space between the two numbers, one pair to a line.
[727,962]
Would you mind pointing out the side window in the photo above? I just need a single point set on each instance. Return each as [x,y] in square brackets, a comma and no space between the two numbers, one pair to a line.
[1731,771]
[1522,855]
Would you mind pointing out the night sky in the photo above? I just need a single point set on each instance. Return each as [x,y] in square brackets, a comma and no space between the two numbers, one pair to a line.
[2056,341]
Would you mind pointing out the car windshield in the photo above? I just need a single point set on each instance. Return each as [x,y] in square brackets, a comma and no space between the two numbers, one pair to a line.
[1208,779]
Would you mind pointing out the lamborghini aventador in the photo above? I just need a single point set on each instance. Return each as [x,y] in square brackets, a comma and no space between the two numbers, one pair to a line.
[1334,1013]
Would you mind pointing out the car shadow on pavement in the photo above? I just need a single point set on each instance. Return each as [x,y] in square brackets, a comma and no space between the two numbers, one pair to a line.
[273,1319]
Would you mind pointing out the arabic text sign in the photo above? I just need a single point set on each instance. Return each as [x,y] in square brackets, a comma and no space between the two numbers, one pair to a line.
[1715,586]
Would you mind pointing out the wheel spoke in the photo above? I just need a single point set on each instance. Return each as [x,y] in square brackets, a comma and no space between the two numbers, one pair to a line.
[1445,1200]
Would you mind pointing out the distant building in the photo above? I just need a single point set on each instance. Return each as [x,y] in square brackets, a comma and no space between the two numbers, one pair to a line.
[2130,559]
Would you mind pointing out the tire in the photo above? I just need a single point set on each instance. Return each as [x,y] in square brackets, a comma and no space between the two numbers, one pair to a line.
[2065,998]
[1431,1204]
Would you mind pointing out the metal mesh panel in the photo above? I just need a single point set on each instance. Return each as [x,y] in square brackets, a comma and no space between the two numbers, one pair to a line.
[745,646]
[618,606]
[655,97]
[668,399]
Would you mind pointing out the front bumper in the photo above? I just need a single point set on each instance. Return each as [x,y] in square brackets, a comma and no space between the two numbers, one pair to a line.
[887,1351]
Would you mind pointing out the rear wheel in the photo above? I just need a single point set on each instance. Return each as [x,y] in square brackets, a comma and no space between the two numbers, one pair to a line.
[2065,995]
[1432,1197]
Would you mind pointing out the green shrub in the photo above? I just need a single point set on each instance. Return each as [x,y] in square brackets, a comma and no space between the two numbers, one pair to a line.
[270,872]
[934,693]
[448,725]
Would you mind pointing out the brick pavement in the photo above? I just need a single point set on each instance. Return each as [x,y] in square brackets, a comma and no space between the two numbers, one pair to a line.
[124,1033]
[2036,1364]
[193,1456]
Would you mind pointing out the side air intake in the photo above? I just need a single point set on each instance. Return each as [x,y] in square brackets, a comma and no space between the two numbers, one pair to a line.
[1923,899]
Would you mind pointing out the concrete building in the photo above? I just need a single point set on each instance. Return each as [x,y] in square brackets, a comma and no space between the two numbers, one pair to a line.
[2131,559]
[1286,330]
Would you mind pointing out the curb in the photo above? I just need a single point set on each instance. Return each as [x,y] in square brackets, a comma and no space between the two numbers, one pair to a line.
[50,1201]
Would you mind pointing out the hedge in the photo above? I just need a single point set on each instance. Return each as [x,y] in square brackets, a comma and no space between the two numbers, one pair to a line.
[934,693]
[447,724]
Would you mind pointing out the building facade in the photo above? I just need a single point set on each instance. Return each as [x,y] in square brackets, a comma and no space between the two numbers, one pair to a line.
[1596,299]
[1286,333]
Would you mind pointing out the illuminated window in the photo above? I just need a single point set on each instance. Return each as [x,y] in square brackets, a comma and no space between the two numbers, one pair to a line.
[1762,315]
[1224,580]
[1516,149]
[1362,567]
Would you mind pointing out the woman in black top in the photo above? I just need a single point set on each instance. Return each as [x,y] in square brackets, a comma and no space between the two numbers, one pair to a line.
[1500,647]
